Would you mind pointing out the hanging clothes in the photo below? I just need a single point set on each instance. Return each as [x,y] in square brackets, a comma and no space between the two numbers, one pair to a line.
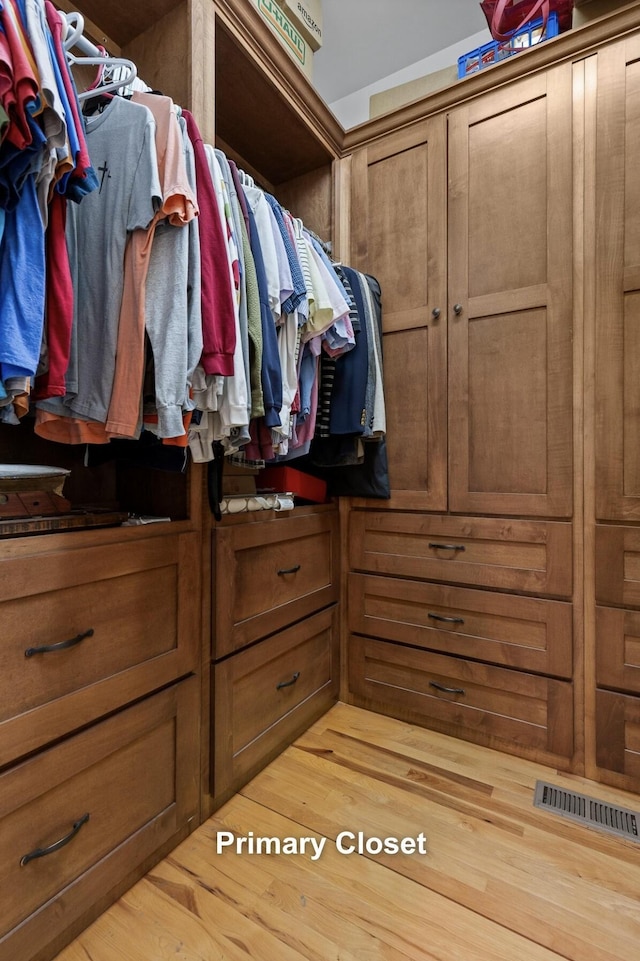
[182,302]
[122,147]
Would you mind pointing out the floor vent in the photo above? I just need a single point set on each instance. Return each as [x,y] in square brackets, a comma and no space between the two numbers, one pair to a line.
[587,810]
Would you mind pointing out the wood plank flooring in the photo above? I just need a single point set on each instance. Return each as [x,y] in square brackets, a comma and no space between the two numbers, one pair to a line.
[501,880]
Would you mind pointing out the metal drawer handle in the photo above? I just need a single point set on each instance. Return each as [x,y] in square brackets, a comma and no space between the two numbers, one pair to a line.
[289,570]
[449,620]
[447,690]
[447,547]
[288,683]
[42,852]
[60,646]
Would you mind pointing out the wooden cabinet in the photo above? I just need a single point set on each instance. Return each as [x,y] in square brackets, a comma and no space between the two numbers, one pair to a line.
[99,724]
[465,698]
[478,329]
[616,351]
[617,654]
[618,737]
[399,234]
[267,575]
[275,644]
[89,626]
[478,336]
[532,557]
[531,633]
[510,299]
[501,218]
[78,818]
[269,693]
[617,279]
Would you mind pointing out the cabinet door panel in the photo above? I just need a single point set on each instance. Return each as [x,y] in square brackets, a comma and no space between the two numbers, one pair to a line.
[510,250]
[618,735]
[618,282]
[399,233]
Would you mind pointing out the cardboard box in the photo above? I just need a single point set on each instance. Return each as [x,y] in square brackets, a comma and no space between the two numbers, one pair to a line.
[288,34]
[281,479]
[387,100]
[586,10]
[307,16]
[238,480]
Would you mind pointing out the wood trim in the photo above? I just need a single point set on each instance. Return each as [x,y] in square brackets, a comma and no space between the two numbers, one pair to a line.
[341,217]
[584,467]
[202,75]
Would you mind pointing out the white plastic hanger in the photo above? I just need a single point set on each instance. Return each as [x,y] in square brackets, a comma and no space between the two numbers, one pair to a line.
[121,71]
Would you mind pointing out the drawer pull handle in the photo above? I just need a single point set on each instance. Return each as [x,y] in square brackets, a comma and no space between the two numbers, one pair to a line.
[288,683]
[289,570]
[449,620]
[42,852]
[447,690]
[60,646]
[447,547]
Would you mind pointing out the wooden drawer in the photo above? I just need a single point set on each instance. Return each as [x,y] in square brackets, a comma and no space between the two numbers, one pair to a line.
[134,775]
[618,649]
[523,632]
[506,709]
[618,735]
[133,605]
[515,555]
[618,565]
[265,696]
[267,575]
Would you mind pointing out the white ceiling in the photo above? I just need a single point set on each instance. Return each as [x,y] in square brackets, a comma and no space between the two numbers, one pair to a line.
[364,41]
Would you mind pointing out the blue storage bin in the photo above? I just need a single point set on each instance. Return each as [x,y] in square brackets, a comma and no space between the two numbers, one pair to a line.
[497,50]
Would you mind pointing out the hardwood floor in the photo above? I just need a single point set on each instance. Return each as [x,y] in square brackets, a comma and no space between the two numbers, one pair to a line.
[501,880]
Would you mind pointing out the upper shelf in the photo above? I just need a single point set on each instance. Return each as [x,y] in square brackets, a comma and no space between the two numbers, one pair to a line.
[261,124]
[124,20]
[220,58]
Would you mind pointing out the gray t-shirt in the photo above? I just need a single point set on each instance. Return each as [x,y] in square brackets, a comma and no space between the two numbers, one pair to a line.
[121,142]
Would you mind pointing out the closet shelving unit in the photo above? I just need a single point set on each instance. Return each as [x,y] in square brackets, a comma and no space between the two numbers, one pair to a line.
[141,724]
[115,724]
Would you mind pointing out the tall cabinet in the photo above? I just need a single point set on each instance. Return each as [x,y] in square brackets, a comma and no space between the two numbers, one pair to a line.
[461,584]
[616,468]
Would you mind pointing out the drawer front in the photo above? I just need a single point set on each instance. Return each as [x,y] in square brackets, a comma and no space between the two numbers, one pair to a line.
[267,575]
[107,625]
[618,735]
[492,705]
[524,632]
[117,792]
[618,649]
[618,565]
[266,695]
[528,556]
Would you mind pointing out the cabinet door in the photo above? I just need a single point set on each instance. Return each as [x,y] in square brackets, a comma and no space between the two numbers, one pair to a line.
[399,236]
[617,313]
[510,300]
